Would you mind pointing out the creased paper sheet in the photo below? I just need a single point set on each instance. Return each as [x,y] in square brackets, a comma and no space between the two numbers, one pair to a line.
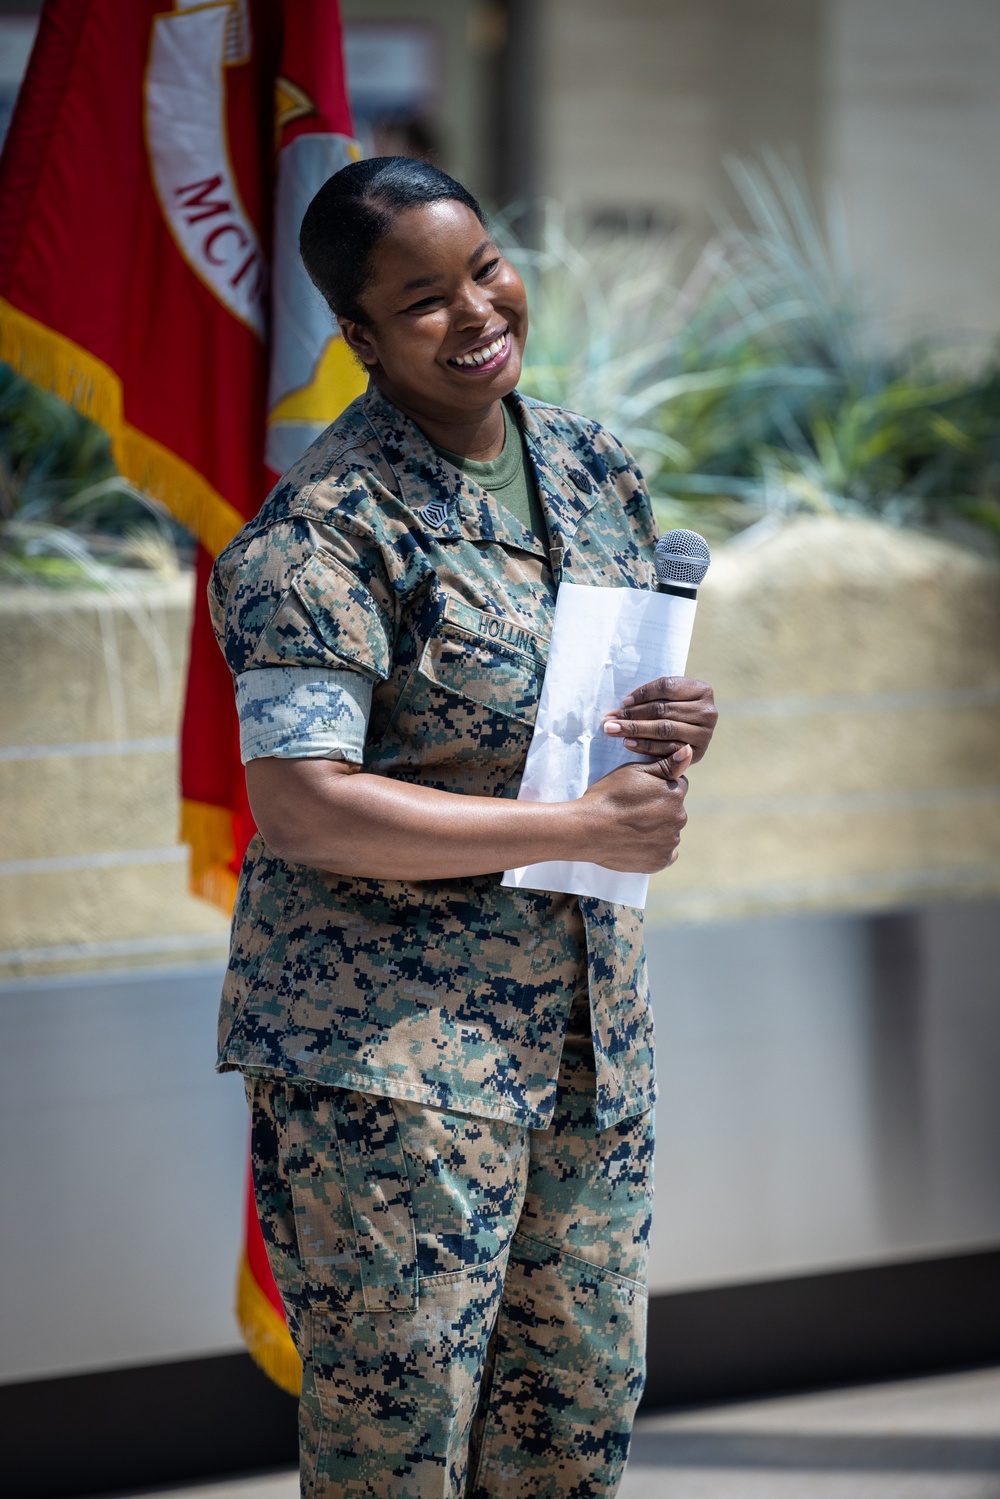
[605,642]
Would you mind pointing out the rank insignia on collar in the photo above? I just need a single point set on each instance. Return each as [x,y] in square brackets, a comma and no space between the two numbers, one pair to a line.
[434,514]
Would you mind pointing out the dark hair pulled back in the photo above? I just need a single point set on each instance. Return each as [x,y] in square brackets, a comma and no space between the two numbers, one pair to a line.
[353,210]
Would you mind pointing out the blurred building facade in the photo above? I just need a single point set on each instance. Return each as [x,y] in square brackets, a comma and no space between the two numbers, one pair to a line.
[892,105]
[627,112]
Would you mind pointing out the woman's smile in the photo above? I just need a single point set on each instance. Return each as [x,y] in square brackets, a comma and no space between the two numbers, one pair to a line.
[485,356]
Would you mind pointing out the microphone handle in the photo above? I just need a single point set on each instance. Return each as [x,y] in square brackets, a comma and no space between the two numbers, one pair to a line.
[679,590]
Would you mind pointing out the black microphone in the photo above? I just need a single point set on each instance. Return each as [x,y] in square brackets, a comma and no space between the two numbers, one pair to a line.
[681,561]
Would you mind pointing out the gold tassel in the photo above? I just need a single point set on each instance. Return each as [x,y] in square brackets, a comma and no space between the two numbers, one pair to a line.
[190,499]
[58,365]
[267,1337]
[88,385]
[208,832]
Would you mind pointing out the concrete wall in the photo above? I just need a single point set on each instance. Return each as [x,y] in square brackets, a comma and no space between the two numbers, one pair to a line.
[827,1092]
[827,1083]
[122,1161]
[841,653]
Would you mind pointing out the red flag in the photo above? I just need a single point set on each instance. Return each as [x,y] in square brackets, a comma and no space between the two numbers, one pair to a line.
[137,193]
[134,193]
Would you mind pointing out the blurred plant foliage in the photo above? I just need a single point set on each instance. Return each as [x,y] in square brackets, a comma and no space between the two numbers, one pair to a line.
[755,385]
[66,515]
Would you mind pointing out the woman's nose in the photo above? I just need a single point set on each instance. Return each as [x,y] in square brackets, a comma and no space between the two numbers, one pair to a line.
[473,305]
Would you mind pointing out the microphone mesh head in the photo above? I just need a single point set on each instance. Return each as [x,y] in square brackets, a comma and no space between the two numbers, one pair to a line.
[682,557]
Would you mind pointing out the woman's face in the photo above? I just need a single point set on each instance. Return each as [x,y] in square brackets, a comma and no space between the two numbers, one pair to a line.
[448,316]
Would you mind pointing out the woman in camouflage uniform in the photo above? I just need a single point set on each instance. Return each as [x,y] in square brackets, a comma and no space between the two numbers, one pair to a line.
[451,1081]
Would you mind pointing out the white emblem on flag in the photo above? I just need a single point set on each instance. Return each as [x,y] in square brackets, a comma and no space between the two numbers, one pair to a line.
[434,514]
[188,147]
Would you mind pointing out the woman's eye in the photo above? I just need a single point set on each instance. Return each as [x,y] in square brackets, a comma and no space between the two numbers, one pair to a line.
[423,304]
[488,268]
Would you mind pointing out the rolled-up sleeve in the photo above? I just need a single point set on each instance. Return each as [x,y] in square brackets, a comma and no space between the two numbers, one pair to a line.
[302,713]
[305,616]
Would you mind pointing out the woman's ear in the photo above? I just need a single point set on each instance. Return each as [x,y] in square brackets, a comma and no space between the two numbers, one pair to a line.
[358,339]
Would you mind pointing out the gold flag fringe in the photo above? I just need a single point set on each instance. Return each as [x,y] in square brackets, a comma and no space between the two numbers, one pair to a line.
[265,1333]
[208,832]
[91,387]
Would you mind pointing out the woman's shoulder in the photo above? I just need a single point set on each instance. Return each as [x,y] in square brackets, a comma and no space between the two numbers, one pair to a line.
[337,483]
[326,507]
[337,479]
[571,429]
[568,439]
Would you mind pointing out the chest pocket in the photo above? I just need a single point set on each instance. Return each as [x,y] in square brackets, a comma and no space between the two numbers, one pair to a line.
[464,719]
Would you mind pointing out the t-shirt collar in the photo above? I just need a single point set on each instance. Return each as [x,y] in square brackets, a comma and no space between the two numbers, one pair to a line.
[449,505]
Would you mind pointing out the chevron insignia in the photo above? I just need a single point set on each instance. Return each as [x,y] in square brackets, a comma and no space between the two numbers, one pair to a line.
[434,514]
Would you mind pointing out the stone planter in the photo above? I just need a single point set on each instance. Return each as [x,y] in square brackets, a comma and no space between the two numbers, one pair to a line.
[92,873]
[857,759]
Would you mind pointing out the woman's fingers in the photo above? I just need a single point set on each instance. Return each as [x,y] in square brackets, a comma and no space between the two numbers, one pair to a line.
[679,762]
[660,716]
[659,737]
[668,689]
[697,711]
[660,749]
[640,815]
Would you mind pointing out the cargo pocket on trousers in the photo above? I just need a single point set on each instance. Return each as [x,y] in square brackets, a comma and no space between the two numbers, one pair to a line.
[350,1201]
[320,1211]
[378,1192]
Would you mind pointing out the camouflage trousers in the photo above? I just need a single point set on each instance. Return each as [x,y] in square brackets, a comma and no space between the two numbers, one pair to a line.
[468,1296]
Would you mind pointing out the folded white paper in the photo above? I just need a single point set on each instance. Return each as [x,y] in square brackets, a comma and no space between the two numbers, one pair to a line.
[605,643]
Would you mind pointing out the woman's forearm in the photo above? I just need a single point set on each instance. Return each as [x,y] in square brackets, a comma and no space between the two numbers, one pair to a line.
[332,817]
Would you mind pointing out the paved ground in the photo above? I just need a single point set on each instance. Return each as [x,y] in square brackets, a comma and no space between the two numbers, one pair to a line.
[923,1439]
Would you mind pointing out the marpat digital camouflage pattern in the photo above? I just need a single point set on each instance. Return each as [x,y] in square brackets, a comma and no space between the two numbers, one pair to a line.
[468,1296]
[374,555]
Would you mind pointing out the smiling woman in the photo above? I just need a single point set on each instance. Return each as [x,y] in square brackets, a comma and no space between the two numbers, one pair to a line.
[450,1081]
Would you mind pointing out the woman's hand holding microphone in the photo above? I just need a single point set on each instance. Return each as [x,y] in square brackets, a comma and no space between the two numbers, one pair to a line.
[636,814]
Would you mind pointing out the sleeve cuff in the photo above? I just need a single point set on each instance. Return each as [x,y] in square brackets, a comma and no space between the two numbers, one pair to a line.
[302,713]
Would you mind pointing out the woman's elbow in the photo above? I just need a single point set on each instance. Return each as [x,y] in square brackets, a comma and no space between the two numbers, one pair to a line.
[294,806]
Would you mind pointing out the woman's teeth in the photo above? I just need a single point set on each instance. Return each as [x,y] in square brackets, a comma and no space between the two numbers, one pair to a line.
[482,356]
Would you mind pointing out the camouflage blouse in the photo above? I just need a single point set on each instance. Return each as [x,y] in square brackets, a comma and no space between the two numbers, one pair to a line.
[431,607]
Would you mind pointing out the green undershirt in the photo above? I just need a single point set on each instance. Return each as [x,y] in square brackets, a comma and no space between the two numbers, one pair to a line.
[509,478]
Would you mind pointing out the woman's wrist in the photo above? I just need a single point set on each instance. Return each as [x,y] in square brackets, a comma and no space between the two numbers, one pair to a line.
[576,835]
